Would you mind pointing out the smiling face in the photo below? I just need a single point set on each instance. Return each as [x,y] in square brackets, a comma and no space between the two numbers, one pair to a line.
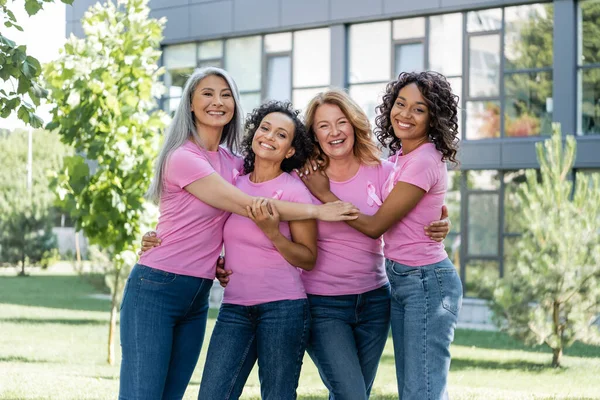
[273,138]
[410,114]
[212,102]
[333,131]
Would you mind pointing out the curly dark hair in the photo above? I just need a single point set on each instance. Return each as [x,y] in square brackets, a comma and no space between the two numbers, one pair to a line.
[443,112]
[301,142]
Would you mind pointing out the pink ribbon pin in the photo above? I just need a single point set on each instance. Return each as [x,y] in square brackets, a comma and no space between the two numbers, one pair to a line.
[372,197]
[277,194]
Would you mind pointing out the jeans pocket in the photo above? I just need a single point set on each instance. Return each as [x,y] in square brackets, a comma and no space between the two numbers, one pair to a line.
[155,277]
[450,289]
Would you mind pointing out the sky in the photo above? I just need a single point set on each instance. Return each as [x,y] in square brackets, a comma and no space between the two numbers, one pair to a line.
[44,35]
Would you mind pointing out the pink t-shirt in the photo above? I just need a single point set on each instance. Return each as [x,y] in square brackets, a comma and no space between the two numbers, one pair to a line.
[348,261]
[191,231]
[260,273]
[406,242]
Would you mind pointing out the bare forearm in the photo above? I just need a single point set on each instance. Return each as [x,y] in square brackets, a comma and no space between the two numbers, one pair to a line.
[290,211]
[366,224]
[296,254]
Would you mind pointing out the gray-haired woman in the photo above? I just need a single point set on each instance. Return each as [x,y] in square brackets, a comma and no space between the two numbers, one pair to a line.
[165,305]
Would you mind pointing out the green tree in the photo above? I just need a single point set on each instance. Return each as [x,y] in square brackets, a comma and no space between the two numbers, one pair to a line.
[104,88]
[20,70]
[26,204]
[552,295]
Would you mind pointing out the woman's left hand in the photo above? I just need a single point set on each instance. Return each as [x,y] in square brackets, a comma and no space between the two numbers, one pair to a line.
[265,216]
[438,230]
[315,179]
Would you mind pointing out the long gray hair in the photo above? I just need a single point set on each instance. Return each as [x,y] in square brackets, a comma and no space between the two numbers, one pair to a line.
[183,126]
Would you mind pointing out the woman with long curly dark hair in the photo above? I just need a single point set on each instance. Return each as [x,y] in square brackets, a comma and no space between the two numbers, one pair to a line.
[264,315]
[418,123]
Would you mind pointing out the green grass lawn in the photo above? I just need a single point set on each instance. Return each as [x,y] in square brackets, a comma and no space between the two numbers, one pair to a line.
[53,346]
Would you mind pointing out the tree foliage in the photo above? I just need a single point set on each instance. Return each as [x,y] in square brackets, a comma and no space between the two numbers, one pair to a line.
[26,211]
[21,70]
[552,294]
[104,88]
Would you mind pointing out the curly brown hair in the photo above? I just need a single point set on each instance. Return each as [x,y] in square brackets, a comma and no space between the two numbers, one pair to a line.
[301,141]
[443,112]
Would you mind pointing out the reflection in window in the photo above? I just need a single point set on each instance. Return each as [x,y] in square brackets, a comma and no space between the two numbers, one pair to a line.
[279,80]
[483,224]
[480,275]
[370,52]
[445,44]
[483,180]
[312,57]
[243,62]
[528,104]
[452,241]
[278,42]
[589,107]
[368,97]
[210,50]
[484,20]
[409,58]
[528,36]
[512,203]
[180,56]
[249,101]
[484,66]
[483,119]
[409,28]
[589,42]
[301,97]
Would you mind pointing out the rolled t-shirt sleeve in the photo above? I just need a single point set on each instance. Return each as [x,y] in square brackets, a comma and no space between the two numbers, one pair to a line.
[184,167]
[422,172]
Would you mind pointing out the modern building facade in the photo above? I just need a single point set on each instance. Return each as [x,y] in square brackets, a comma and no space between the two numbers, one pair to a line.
[517,66]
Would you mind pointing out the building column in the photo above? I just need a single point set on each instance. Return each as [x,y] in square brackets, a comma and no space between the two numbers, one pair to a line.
[339,56]
[564,86]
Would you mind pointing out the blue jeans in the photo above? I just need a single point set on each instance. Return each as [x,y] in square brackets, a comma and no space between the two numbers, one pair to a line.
[425,305]
[163,319]
[348,334]
[273,333]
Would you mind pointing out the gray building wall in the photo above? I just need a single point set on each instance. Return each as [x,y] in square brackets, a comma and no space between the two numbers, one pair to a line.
[194,20]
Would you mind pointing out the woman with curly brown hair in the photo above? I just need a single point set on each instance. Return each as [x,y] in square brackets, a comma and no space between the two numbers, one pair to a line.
[418,123]
[264,316]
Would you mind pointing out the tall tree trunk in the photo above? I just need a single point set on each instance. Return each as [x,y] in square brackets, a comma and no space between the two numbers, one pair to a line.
[113,320]
[558,350]
[77,251]
[22,273]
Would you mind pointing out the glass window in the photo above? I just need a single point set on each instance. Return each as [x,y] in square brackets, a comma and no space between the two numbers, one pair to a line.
[484,20]
[589,40]
[479,274]
[278,42]
[452,241]
[528,104]
[409,58]
[484,66]
[279,79]
[589,101]
[445,44]
[409,28]
[180,56]
[483,180]
[528,36]
[312,57]
[512,203]
[483,224]
[301,97]
[243,62]
[483,119]
[249,101]
[211,49]
[370,52]
[368,97]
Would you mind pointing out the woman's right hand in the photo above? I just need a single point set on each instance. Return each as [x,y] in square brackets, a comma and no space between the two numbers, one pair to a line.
[149,241]
[337,211]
